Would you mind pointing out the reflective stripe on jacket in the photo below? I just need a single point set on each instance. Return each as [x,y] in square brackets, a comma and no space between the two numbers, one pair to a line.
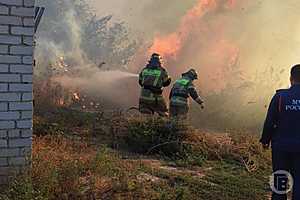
[180,92]
[148,95]
[155,77]
[183,89]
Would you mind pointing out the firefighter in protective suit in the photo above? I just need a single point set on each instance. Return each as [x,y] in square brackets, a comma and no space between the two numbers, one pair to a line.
[182,89]
[152,79]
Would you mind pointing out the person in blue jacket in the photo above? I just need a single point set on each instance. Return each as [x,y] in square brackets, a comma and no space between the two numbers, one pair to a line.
[282,131]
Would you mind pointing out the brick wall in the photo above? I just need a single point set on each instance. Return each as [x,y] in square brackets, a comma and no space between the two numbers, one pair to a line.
[16,59]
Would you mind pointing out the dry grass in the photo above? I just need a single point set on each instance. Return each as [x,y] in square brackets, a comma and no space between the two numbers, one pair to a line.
[243,148]
[67,169]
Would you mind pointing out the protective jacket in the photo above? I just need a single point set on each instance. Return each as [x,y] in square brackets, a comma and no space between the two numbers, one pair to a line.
[282,125]
[152,79]
[182,90]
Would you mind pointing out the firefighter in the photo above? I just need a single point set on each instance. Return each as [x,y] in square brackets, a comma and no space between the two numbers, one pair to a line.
[281,129]
[153,78]
[182,89]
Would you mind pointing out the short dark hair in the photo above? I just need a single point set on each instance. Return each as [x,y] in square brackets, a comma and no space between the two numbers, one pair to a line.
[295,73]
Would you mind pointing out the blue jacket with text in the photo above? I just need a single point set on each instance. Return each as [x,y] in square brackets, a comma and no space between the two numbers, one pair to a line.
[282,125]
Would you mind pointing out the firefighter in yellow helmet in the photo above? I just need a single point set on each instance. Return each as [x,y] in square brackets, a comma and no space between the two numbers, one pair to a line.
[182,89]
[153,78]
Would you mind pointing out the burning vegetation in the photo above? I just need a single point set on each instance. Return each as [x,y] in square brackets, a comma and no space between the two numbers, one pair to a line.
[97,58]
[86,79]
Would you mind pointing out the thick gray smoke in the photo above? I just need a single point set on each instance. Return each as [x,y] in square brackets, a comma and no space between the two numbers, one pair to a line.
[145,17]
[71,29]
[111,87]
[243,49]
[78,48]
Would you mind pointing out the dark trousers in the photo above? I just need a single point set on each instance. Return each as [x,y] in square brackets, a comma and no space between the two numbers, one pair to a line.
[290,162]
[179,111]
[157,105]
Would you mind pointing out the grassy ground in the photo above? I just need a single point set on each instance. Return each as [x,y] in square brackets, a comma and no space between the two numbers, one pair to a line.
[202,166]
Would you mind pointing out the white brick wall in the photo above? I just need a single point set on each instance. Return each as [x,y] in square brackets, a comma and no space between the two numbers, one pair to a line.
[16,59]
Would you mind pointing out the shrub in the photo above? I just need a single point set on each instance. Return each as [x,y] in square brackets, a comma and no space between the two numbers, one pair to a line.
[241,149]
[22,188]
[64,169]
[188,147]
[156,135]
[63,121]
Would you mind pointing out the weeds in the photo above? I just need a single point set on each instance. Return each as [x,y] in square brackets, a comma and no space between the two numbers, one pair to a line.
[188,147]
[65,169]
[196,166]
[156,135]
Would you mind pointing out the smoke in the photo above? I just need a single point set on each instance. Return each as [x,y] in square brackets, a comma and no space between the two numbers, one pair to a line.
[171,44]
[115,87]
[222,37]
[76,48]
[242,49]
[59,38]
[145,17]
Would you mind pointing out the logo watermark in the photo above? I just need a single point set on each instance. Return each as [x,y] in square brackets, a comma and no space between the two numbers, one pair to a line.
[281,182]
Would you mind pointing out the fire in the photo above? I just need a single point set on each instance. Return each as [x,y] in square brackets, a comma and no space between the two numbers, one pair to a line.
[171,45]
[167,46]
[202,40]
[61,102]
[76,96]
[61,65]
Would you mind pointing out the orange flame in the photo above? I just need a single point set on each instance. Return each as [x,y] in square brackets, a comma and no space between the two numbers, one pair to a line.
[76,96]
[61,102]
[170,45]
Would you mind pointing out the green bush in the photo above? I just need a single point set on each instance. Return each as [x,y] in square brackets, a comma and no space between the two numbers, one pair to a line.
[156,135]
